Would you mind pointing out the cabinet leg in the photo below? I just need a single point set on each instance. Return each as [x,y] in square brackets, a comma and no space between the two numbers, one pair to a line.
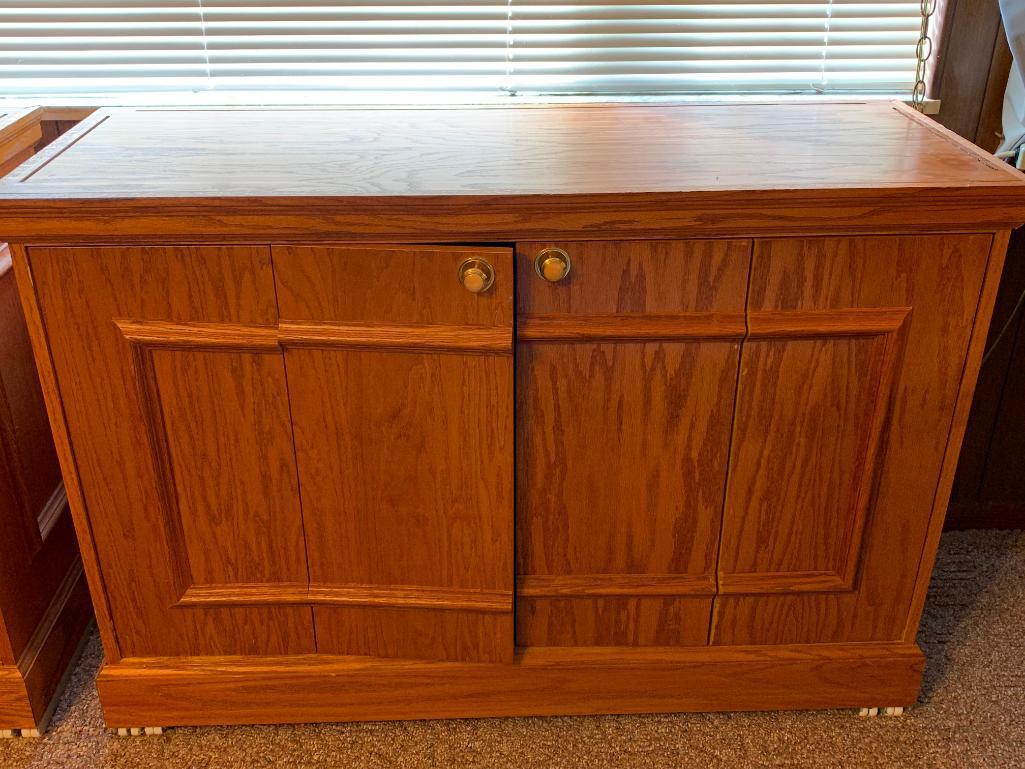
[139,731]
[871,712]
[8,734]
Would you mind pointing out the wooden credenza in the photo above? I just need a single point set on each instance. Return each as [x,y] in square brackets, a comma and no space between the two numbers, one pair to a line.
[472,412]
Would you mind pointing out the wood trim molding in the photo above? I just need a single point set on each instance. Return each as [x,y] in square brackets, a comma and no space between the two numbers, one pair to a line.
[397,337]
[540,681]
[147,337]
[394,596]
[199,336]
[798,324]
[30,655]
[52,511]
[250,338]
[904,210]
[785,582]
[245,594]
[627,327]
[598,585]
[46,663]
[412,597]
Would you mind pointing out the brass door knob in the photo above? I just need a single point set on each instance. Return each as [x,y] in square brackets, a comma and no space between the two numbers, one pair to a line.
[476,275]
[552,264]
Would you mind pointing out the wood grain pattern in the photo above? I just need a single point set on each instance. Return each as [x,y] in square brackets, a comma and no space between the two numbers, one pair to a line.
[81,293]
[940,278]
[20,130]
[624,327]
[404,453]
[803,459]
[200,336]
[650,504]
[44,606]
[541,682]
[229,441]
[565,585]
[966,389]
[398,337]
[329,421]
[65,454]
[415,175]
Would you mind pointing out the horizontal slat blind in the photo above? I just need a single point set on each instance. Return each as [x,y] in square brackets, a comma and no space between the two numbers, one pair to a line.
[722,46]
[74,47]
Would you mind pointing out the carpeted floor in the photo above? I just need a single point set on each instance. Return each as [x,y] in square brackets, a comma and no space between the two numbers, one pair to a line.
[971,712]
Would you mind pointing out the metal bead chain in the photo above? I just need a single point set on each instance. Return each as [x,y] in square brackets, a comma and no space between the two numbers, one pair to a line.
[922,53]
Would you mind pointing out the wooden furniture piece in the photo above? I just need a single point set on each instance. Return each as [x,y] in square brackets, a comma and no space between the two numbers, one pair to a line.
[44,604]
[407,413]
[25,131]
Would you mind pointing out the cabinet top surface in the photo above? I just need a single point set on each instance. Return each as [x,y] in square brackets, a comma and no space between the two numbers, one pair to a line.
[582,166]
[500,151]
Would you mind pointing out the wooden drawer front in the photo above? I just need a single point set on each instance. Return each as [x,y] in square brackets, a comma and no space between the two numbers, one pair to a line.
[401,396]
[626,372]
[175,396]
[847,388]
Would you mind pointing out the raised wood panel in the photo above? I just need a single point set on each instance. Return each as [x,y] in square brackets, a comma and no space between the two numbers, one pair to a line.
[803,458]
[623,441]
[939,280]
[226,420]
[83,294]
[404,448]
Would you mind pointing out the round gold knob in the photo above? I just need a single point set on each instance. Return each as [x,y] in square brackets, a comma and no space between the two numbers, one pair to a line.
[476,275]
[552,264]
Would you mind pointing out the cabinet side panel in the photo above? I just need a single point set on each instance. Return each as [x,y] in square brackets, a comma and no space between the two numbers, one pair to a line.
[87,296]
[841,289]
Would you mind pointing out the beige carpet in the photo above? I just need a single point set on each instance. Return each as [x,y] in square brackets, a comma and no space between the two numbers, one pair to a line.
[971,713]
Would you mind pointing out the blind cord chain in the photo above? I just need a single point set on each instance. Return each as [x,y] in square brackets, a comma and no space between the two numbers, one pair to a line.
[922,53]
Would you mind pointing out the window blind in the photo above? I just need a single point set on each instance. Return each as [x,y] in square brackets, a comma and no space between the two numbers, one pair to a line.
[76,47]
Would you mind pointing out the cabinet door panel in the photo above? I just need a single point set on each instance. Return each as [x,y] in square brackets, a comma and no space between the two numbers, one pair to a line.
[404,443]
[176,407]
[233,465]
[847,388]
[626,374]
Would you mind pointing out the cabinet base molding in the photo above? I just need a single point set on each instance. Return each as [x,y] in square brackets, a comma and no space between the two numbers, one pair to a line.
[201,691]
[29,691]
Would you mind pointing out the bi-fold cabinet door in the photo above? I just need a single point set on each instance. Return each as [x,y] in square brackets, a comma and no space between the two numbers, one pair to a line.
[308,448]
[401,395]
[310,454]
[848,381]
[626,376]
[174,392]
